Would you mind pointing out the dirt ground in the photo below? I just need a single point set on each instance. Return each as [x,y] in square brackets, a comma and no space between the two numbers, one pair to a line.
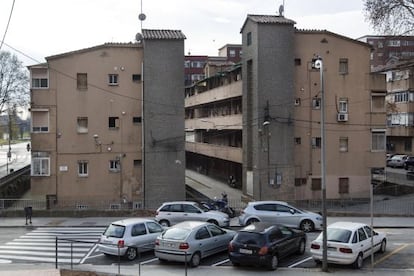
[66,272]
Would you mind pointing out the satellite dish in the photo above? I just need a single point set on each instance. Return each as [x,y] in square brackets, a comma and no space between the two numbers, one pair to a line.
[142,16]
[138,37]
[281,10]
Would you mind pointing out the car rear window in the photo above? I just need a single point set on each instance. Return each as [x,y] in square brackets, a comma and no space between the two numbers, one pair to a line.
[338,235]
[250,238]
[176,233]
[115,230]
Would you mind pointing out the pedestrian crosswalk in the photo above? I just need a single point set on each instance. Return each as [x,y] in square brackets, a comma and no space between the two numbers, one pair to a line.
[73,245]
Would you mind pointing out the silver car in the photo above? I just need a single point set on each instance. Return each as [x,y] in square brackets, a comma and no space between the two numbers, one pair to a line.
[129,236]
[280,212]
[191,241]
[174,212]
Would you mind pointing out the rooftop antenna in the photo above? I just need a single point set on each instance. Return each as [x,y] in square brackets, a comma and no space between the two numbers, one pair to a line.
[282,9]
[141,16]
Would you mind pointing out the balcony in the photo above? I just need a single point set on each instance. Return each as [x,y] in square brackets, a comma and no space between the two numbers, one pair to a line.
[221,152]
[405,131]
[217,94]
[219,122]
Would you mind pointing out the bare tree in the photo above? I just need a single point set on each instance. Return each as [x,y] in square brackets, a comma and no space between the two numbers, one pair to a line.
[14,82]
[390,17]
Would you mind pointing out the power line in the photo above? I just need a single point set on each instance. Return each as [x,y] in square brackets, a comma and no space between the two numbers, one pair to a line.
[7,26]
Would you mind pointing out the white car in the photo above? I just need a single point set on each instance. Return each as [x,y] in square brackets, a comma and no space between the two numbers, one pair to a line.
[280,212]
[170,213]
[129,236]
[348,243]
[190,241]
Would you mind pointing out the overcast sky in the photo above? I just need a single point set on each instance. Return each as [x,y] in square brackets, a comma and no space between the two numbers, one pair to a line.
[43,28]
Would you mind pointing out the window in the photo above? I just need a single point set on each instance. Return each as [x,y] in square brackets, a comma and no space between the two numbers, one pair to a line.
[316,184]
[82,124]
[394,43]
[316,142]
[82,168]
[368,231]
[113,79]
[40,83]
[138,230]
[154,228]
[378,140]
[136,77]
[82,81]
[190,209]
[343,144]
[40,120]
[408,145]
[249,38]
[40,164]
[297,102]
[114,165]
[215,231]
[232,53]
[343,185]
[300,181]
[316,103]
[113,122]
[361,234]
[136,120]
[343,106]
[40,78]
[298,141]
[137,163]
[343,66]
[298,61]
[202,233]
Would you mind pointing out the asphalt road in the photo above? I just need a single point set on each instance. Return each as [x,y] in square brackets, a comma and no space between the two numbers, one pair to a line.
[399,254]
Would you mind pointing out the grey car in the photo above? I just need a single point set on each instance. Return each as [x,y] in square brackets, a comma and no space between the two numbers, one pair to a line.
[280,212]
[127,237]
[171,213]
[191,241]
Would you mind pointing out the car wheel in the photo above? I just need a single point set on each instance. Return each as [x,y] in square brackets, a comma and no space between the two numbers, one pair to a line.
[195,260]
[165,223]
[213,221]
[301,247]
[131,253]
[307,225]
[383,246]
[251,221]
[359,261]
[274,262]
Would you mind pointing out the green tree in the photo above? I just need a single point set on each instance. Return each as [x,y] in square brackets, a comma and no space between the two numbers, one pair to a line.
[14,82]
[390,17]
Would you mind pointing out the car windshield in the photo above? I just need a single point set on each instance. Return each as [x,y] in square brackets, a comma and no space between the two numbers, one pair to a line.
[338,235]
[250,238]
[114,230]
[202,207]
[176,233]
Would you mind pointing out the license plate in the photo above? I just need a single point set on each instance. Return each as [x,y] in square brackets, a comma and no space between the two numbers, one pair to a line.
[245,251]
[331,248]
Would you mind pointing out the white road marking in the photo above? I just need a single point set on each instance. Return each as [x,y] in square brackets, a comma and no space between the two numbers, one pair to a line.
[149,261]
[220,263]
[89,253]
[300,262]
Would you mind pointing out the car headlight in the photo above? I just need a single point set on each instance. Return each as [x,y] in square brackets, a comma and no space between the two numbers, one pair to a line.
[318,218]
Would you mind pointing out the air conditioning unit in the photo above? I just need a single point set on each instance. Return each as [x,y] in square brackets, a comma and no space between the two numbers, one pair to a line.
[342,117]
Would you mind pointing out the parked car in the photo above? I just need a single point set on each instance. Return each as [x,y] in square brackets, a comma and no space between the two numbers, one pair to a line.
[191,241]
[409,163]
[397,161]
[170,213]
[348,243]
[265,244]
[280,212]
[127,237]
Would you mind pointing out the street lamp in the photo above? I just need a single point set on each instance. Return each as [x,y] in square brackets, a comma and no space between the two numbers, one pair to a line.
[318,64]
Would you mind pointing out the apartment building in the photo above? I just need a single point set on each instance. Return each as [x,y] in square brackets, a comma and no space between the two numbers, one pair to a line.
[279,153]
[400,107]
[386,48]
[99,138]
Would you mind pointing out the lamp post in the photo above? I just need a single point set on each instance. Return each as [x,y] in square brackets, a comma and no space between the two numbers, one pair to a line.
[318,64]
[9,151]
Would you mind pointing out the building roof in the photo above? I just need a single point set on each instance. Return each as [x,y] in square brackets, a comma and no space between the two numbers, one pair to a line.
[267,19]
[102,46]
[162,34]
[303,31]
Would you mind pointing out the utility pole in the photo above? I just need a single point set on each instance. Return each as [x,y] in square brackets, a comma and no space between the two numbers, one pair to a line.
[9,151]
[318,64]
